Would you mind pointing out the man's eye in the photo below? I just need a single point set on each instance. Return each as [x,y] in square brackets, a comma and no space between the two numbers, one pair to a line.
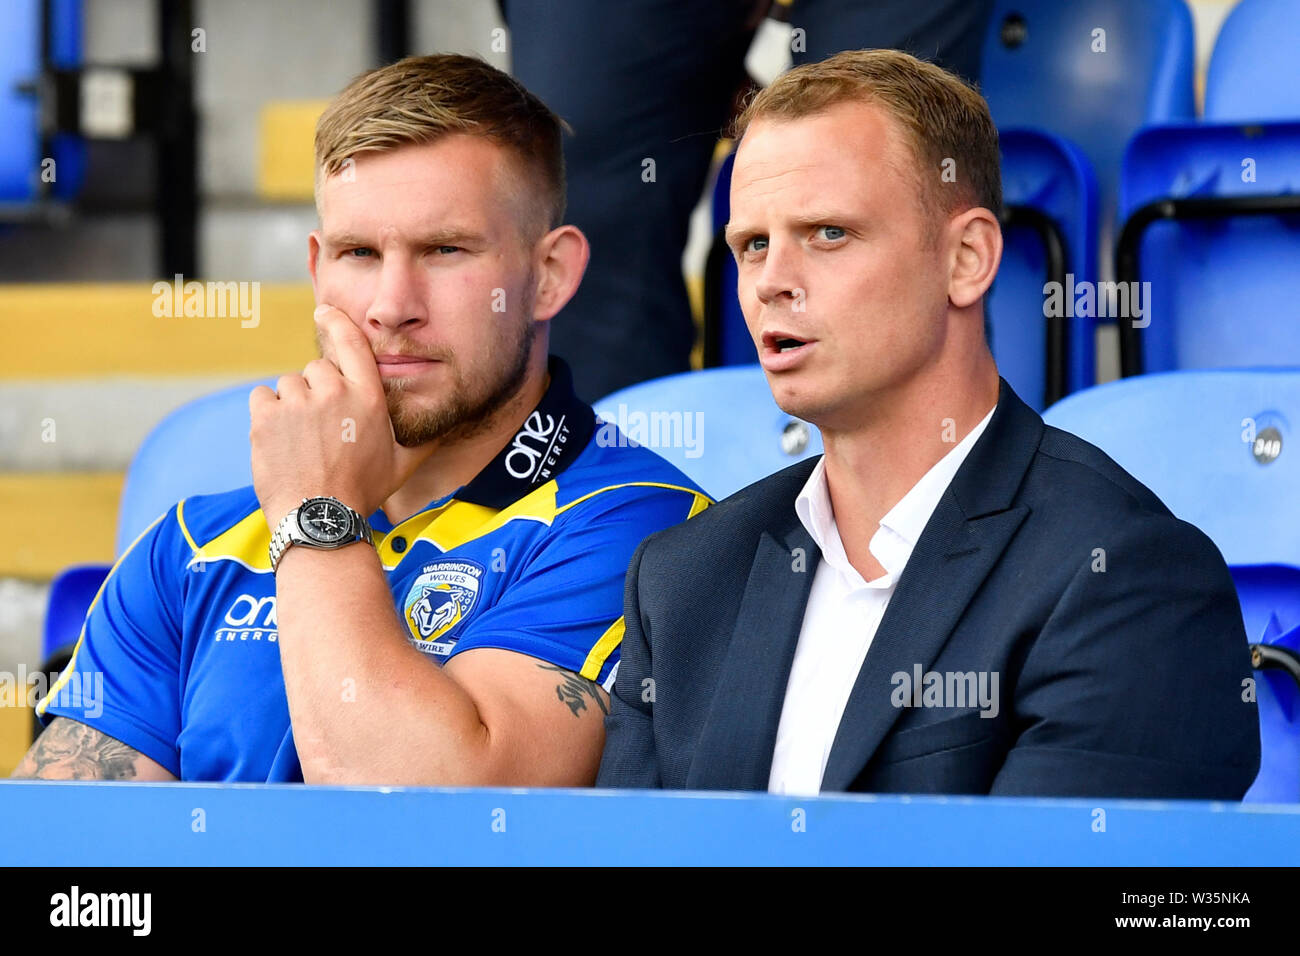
[756,244]
[447,250]
[361,252]
[831,233]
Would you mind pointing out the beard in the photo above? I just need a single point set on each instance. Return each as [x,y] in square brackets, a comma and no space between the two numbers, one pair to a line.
[473,402]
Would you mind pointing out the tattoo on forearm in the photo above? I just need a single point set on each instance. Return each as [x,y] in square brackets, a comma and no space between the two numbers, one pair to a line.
[69,750]
[573,691]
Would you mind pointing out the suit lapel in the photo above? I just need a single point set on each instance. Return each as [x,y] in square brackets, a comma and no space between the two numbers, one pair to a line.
[970,528]
[949,563]
[735,747]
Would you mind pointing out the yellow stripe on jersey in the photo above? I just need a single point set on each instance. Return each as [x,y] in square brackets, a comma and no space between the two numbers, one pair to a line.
[453,525]
[600,653]
[81,637]
[246,542]
[696,507]
[462,522]
[613,636]
[180,520]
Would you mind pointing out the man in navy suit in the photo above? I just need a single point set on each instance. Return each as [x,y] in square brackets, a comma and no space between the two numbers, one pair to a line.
[955,598]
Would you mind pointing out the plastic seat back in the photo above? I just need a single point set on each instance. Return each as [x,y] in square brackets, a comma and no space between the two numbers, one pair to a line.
[720,426]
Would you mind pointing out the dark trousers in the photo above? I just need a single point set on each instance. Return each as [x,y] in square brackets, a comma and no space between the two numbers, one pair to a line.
[654,80]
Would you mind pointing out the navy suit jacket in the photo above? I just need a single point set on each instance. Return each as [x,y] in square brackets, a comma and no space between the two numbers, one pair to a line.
[1113,628]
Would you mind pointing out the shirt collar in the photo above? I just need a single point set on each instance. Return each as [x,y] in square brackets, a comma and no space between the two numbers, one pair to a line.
[902,525]
[909,517]
[548,440]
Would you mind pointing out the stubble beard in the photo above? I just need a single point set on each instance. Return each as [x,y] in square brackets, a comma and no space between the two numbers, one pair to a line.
[472,406]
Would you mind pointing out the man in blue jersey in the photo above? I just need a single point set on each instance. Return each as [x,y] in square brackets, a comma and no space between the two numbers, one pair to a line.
[423,586]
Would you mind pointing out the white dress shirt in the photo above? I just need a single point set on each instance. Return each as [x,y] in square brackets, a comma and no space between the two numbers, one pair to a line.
[842,616]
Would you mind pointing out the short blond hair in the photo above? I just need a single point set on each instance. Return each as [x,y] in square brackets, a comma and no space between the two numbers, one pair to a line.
[422,98]
[942,118]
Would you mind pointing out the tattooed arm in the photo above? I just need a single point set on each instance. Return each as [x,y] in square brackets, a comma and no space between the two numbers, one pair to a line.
[544,726]
[574,691]
[490,717]
[69,750]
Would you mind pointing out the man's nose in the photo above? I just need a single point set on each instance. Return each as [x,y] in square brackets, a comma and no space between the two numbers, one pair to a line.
[399,301]
[780,275]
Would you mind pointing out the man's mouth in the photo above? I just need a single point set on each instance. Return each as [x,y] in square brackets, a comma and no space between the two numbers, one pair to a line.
[780,342]
[400,359]
[399,365]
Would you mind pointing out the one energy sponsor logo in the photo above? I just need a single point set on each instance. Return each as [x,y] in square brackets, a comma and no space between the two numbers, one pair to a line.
[536,448]
[441,597]
[250,617]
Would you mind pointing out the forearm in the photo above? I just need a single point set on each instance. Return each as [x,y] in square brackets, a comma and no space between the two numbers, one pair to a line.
[366,706]
[69,750]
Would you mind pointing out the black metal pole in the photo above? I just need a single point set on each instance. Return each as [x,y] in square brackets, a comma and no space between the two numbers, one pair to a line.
[176,198]
[1128,266]
[1057,354]
[392,30]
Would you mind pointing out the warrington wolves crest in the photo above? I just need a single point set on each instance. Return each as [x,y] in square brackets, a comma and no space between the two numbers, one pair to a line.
[440,598]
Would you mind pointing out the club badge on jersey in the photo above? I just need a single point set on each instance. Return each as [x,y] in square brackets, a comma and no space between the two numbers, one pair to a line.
[440,599]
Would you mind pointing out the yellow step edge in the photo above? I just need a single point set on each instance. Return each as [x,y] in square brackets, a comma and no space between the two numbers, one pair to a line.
[95,329]
[286,159]
[55,519]
[15,734]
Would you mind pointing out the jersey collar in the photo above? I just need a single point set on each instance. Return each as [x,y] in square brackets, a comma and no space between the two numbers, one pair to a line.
[547,442]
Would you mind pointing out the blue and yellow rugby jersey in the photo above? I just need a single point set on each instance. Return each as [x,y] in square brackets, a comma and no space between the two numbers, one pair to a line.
[530,556]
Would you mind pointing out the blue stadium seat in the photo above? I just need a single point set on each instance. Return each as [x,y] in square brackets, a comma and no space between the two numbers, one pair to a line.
[736,432]
[200,448]
[1212,210]
[21,66]
[1047,184]
[1043,68]
[1212,223]
[71,592]
[1222,450]
[1270,606]
[1252,75]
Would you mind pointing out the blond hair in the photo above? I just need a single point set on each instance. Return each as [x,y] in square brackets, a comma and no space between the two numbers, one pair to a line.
[422,98]
[942,119]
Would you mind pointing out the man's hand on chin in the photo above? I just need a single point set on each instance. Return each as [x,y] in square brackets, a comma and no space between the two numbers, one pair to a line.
[327,431]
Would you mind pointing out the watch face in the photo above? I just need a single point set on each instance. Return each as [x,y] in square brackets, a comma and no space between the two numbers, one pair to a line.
[325,520]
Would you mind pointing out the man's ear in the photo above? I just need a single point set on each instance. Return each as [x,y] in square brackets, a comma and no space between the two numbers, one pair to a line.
[313,254]
[561,259]
[978,240]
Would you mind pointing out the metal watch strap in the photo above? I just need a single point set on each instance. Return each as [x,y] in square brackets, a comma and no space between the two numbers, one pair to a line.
[288,532]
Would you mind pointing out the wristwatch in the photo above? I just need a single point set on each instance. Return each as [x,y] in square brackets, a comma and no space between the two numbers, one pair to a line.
[321,523]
